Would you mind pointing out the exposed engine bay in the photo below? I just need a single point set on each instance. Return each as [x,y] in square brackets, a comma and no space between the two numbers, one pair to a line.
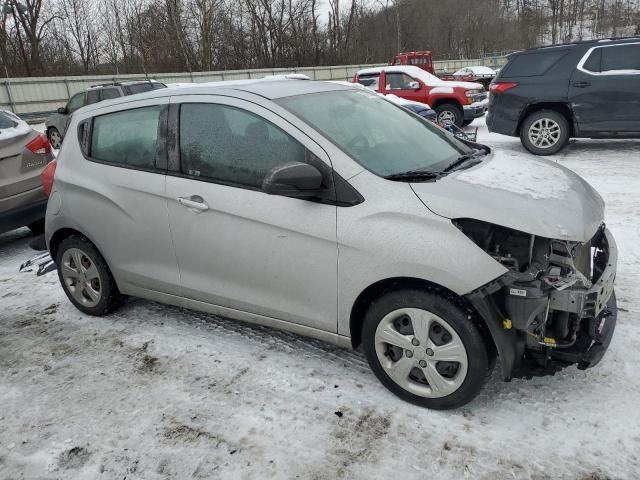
[556,302]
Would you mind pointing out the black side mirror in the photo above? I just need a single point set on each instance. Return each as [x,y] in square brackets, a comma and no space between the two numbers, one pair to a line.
[294,179]
[62,110]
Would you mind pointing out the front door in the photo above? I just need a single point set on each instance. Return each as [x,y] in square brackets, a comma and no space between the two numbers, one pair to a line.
[404,86]
[605,90]
[236,246]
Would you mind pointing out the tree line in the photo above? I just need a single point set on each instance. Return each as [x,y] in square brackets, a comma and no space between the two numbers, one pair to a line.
[73,37]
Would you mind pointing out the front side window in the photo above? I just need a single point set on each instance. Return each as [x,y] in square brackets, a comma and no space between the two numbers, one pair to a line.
[128,137]
[382,137]
[231,145]
[620,57]
[75,102]
[398,81]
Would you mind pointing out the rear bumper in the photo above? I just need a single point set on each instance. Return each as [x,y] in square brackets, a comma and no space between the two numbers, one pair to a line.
[475,110]
[21,216]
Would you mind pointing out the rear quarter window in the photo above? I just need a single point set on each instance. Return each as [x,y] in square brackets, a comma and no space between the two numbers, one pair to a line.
[533,64]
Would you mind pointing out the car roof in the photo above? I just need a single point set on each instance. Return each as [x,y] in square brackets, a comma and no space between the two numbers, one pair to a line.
[123,84]
[584,43]
[409,69]
[267,88]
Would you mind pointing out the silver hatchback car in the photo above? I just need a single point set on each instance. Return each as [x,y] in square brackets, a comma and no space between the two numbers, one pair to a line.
[328,211]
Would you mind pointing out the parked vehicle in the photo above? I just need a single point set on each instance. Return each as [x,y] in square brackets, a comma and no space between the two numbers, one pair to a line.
[244,215]
[422,60]
[56,123]
[456,103]
[23,154]
[585,89]
[478,73]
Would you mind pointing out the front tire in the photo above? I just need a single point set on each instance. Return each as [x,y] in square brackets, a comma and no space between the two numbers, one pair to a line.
[545,132]
[424,349]
[86,278]
[449,114]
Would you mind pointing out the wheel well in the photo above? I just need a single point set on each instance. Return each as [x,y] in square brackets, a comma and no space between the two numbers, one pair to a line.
[376,290]
[442,101]
[561,108]
[59,236]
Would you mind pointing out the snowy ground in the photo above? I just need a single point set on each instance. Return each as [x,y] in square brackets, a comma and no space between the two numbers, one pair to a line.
[155,392]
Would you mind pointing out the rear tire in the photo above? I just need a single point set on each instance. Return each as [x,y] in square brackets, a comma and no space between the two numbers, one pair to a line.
[449,113]
[544,132]
[86,278]
[403,337]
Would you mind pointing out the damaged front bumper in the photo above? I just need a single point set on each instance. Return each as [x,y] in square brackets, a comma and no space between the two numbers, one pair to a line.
[524,320]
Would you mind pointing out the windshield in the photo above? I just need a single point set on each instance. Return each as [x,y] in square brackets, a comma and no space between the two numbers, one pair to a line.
[382,137]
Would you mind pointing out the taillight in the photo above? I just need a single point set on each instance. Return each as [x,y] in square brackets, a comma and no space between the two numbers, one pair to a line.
[39,145]
[501,87]
[46,177]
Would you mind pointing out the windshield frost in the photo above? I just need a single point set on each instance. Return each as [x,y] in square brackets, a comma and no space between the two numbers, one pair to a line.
[382,137]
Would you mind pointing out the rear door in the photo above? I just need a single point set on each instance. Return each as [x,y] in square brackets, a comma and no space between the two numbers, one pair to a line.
[605,90]
[238,247]
[114,190]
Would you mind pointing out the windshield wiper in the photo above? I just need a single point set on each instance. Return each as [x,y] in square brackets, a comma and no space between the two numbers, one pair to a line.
[415,174]
[464,159]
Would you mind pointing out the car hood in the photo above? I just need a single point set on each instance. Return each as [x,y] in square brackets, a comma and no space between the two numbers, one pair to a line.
[532,195]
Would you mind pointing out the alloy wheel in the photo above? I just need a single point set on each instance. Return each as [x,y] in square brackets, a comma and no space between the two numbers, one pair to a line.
[446,118]
[421,352]
[81,277]
[55,138]
[544,133]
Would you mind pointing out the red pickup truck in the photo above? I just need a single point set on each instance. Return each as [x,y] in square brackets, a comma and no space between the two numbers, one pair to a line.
[455,102]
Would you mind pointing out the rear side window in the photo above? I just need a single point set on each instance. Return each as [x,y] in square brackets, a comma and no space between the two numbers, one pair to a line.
[533,64]
[369,81]
[593,62]
[143,87]
[231,145]
[93,96]
[108,93]
[621,57]
[6,121]
[128,137]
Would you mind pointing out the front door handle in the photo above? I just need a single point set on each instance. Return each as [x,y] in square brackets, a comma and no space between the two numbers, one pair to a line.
[581,84]
[194,202]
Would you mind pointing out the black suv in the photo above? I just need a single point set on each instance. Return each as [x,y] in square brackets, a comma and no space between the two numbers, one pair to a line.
[550,94]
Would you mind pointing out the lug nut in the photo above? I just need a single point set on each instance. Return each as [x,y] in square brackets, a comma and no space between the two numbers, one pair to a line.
[409,353]
[429,352]
[422,363]
[415,342]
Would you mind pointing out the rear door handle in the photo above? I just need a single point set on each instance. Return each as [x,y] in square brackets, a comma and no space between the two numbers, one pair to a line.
[194,202]
[581,84]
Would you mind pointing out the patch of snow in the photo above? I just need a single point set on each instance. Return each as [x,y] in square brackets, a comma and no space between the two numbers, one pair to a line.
[476,70]
[535,177]
[21,128]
